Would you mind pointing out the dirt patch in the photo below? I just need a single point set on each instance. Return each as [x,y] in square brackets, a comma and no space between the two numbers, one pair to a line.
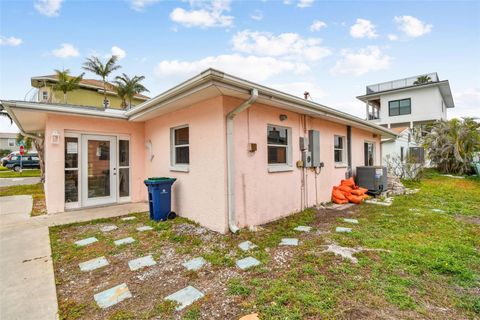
[468,219]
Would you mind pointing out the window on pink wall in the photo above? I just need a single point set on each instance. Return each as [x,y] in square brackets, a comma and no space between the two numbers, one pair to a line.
[180,146]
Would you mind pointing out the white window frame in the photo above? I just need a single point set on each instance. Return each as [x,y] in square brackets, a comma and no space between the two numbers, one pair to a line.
[281,167]
[44,99]
[342,163]
[11,142]
[181,167]
[74,205]
[129,167]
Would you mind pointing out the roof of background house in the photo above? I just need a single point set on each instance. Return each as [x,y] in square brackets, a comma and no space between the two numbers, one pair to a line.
[85,83]
[8,135]
[207,84]
[399,130]
[374,91]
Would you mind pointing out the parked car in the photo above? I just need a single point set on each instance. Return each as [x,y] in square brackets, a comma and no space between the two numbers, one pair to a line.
[9,156]
[28,161]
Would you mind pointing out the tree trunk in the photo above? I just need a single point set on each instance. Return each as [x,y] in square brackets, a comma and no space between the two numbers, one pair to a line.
[65,97]
[104,93]
[39,143]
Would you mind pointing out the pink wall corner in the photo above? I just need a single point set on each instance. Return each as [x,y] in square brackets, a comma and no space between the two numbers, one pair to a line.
[263,196]
[54,171]
[200,194]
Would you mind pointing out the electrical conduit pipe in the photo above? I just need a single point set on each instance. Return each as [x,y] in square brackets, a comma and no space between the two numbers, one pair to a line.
[232,224]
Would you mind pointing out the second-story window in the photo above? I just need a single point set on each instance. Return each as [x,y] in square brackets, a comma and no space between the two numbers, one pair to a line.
[44,95]
[399,107]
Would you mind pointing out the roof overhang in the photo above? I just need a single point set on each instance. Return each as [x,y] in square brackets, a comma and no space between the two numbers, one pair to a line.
[443,86]
[30,117]
[211,83]
[206,85]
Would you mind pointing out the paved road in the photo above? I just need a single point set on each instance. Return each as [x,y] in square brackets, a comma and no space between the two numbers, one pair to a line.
[27,283]
[7,182]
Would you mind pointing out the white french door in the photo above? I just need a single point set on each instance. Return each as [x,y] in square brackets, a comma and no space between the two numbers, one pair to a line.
[99,170]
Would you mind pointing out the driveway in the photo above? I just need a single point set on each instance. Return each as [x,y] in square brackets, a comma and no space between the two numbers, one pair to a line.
[7,182]
[27,283]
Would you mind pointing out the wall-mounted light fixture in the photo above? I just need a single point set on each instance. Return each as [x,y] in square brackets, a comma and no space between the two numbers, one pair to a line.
[283,117]
[55,137]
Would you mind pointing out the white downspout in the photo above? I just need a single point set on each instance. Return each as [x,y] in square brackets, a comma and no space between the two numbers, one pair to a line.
[232,224]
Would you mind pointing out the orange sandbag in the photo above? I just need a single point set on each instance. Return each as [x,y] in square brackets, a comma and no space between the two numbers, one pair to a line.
[338,194]
[339,201]
[349,182]
[359,191]
[355,199]
[365,196]
[344,188]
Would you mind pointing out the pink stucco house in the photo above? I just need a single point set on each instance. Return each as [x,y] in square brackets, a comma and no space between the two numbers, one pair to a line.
[233,146]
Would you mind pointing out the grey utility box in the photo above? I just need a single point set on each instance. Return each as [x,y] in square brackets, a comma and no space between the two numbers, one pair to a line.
[373,178]
[314,147]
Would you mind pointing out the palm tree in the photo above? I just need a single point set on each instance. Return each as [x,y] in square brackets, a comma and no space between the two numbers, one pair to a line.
[130,86]
[95,65]
[422,80]
[66,82]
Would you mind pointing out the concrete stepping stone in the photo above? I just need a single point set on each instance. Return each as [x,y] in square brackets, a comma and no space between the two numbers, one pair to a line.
[129,218]
[185,297]
[112,296]
[303,228]
[194,264]
[253,316]
[142,262]
[124,241]
[85,242]
[354,221]
[144,228]
[289,242]
[247,245]
[247,263]
[93,264]
[343,230]
[108,228]
[438,210]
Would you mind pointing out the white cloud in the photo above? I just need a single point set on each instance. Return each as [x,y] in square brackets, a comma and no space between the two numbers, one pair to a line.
[362,61]
[298,88]
[66,50]
[305,3]
[249,67]
[10,41]
[257,15]
[392,37]
[412,27]
[204,14]
[139,5]
[49,8]
[363,28]
[119,52]
[466,104]
[288,45]
[317,25]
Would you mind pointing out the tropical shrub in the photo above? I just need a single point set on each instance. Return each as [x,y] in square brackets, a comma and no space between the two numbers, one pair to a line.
[452,144]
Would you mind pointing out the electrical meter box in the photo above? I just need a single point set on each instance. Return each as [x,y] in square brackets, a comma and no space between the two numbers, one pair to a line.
[314,147]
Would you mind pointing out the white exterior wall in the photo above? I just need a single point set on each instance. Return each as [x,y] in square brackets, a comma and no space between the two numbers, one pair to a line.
[426,105]
[393,147]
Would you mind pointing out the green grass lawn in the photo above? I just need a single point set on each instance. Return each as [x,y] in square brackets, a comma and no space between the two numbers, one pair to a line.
[7,173]
[36,190]
[431,268]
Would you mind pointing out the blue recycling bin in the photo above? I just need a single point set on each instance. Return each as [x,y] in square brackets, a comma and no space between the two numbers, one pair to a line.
[159,197]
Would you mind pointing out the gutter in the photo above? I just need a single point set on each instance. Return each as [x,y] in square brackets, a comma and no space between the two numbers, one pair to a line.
[232,224]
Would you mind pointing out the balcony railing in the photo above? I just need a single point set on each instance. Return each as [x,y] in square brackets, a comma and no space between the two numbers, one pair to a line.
[400,83]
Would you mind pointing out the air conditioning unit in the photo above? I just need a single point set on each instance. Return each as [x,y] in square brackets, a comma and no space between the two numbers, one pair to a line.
[373,178]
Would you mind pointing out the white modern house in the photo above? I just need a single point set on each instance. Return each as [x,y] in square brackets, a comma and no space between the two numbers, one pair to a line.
[407,106]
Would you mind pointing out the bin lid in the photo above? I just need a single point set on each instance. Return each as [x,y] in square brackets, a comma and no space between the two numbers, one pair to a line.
[159,180]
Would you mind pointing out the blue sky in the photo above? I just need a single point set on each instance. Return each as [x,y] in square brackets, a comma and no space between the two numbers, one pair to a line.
[330,48]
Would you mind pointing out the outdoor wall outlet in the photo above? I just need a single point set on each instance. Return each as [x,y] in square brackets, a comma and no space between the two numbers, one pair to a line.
[252,147]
